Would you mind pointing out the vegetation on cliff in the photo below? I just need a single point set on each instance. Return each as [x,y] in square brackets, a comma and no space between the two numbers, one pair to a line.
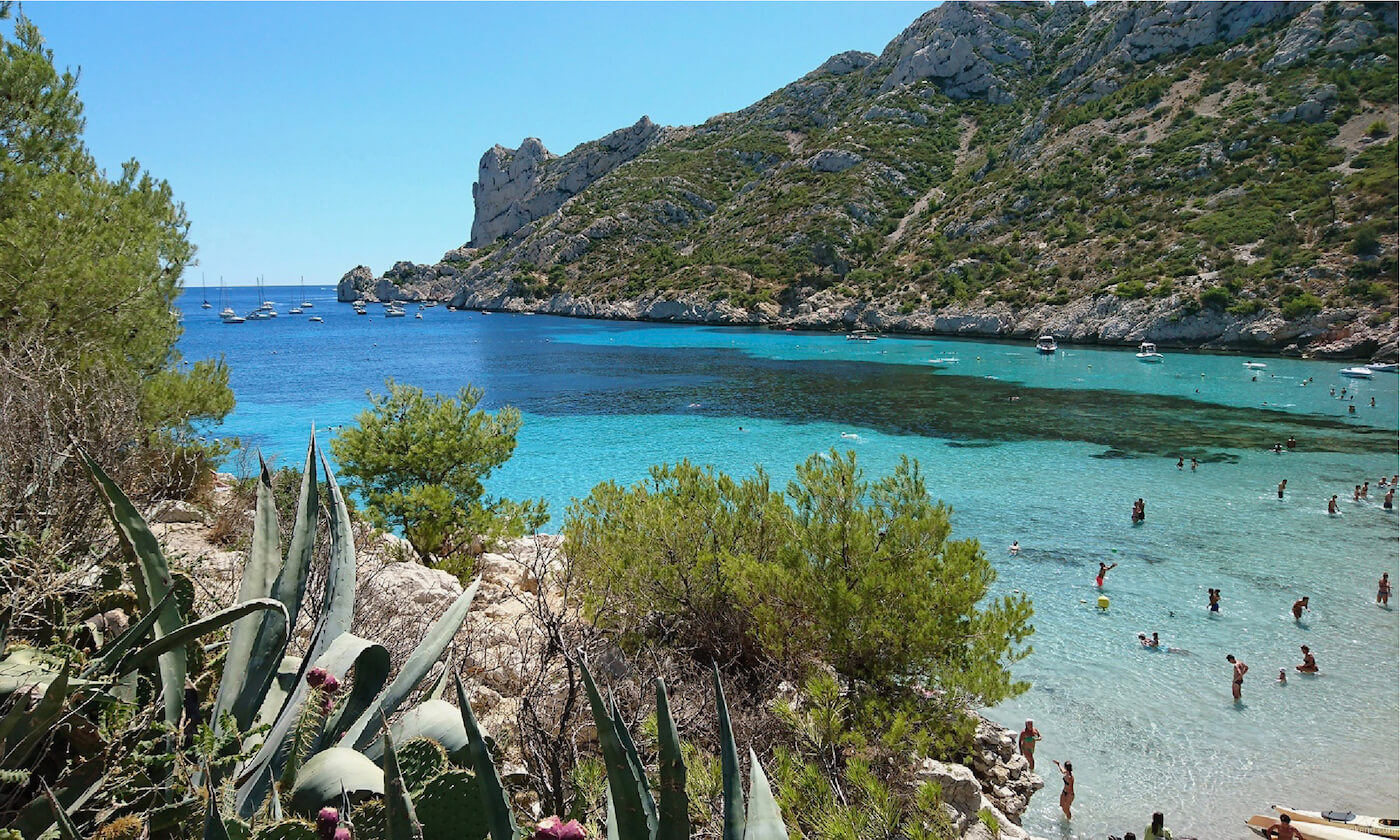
[1123,151]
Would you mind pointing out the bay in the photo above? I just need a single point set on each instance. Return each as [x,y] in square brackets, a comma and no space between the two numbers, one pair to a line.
[1047,450]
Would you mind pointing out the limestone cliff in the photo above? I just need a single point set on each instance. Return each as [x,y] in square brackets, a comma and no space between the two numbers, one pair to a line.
[1197,173]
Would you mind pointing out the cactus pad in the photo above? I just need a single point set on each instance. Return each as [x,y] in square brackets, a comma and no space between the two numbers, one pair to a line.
[420,759]
[116,599]
[122,828]
[286,830]
[449,807]
[369,821]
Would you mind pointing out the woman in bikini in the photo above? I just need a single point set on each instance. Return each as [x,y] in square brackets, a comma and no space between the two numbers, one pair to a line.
[1066,795]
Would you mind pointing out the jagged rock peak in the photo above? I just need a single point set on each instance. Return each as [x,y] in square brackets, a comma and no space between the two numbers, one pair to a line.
[844,63]
[517,186]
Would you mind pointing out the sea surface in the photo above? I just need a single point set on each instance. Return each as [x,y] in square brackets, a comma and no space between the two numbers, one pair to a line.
[1050,451]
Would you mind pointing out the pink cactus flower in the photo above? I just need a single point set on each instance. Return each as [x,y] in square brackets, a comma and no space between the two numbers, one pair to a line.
[553,828]
[342,833]
[316,676]
[326,822]
[331,685]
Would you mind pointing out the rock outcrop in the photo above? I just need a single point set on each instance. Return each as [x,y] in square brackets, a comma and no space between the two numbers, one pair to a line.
[1133,170]
[517,186]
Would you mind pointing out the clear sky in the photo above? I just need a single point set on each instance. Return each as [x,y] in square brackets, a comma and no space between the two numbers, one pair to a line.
[307,138]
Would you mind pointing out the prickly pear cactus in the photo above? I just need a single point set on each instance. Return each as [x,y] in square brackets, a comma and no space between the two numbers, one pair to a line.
[286,830]
[122,828]
[116,599]
[237,829]
[184,591]
[10,834]
[369,821]
[449,807]
[420,759]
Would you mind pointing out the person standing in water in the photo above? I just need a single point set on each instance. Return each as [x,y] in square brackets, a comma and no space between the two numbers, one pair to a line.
[1383,590]
[1103,570]
[1180,462]
[1298,607]
[1332,505]
[1365,488]
[1356,494]
[1158,830]
[1282,485]
[1238,670]
[1026,741]
[1309,665]
[1214,596]
[1015,547]
[1389,501]
[1067,794]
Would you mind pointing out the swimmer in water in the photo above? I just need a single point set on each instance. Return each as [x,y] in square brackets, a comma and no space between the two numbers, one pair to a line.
[1281,485]
[1282,675]
[1332,506]
[1309,665]
[1383,590]
[1015,547]
[1356,494]
[1239,669]
[1103,570]
[1180,462]
[1365,488]
[1214,595]
[1298,607]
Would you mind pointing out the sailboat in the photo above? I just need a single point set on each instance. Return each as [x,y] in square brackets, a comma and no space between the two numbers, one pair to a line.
[206,304]
[305,304]
[227,315]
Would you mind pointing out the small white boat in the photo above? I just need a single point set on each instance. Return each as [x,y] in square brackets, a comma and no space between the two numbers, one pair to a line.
[233,319]
[1357,372]
[1147,352]
[1379,826]
[1384,367]
[1260,825]
[295,310]
[394,312]
[861,335]
[418,315]
[1255,365]
[1047,344]
[316,319]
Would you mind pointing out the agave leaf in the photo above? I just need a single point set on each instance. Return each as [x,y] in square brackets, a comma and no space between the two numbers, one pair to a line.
[214,828]
[371,663]
[630,814]
[337,612]
[612,818]
[194,630]
[733,785]
[112,654]
[764,821]
[673,818]
[66,829]
[278,690]
[360,734]
[151,578]
[37,722]
[493,794]
[290,586]
[334,775]
[639,770]
[434,718]
[258,574]
[402,822]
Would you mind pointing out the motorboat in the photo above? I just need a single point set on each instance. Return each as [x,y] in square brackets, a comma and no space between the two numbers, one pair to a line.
[1379,826]
[394,311]
[1255,365]
[1357,372]
[1147,352]
[233,319]
[418,315]
[227,313]
[316,319]
[1047,344]
[1384,367]
[861,335]
[295,310]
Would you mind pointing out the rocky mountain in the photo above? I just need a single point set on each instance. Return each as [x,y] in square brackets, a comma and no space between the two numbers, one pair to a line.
[1218,174]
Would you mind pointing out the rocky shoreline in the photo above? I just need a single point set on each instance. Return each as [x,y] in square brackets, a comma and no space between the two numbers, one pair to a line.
[1104,320]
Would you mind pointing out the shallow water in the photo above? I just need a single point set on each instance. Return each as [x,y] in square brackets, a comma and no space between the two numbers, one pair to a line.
[1049,451]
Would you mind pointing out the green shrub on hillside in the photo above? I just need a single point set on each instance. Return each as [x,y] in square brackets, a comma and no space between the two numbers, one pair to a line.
[1301,306]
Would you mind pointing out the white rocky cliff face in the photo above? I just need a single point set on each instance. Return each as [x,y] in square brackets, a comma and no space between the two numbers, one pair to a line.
[517,186]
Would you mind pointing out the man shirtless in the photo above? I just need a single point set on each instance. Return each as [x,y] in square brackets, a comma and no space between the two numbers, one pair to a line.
[1285,830]
[1239,670]
[1298,607]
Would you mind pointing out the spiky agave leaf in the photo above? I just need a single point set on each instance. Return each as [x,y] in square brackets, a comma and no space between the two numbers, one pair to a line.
[764,822]
[733,785]
[493,794]
[673,816]
[630,815]
[398,806]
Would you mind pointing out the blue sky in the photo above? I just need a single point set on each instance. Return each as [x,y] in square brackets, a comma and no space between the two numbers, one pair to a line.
[307,138]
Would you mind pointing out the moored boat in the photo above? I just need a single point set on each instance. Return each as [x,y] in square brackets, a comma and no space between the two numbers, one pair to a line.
[316,319]
[1255,365]
[1260,825]
[861,335]
[1357,372]
[1379,826]
[1384,367]
[1047,344]
[1147,352]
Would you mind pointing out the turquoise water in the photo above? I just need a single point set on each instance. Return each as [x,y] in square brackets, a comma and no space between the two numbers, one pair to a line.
[1049,451]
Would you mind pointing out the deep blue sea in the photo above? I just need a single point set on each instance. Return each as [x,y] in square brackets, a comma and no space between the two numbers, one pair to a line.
[1048,451]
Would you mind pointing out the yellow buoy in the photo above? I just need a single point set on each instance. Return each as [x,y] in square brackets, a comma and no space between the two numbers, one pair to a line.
[1103,602]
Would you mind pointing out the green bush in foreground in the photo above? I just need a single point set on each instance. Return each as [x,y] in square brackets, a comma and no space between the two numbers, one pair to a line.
[860,575]
[420,461]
